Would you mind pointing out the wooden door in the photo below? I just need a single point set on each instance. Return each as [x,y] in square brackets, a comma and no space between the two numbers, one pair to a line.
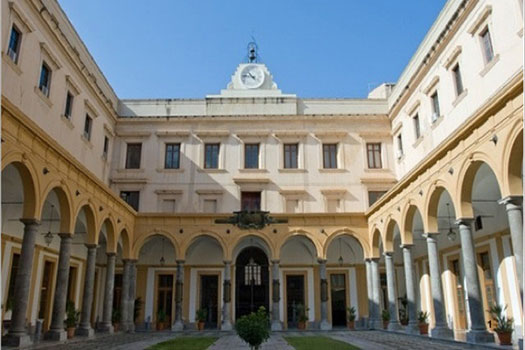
[457,279]
[487,285]
[44,311]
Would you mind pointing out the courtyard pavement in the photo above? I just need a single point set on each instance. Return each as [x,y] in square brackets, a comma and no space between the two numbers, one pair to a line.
[366,340]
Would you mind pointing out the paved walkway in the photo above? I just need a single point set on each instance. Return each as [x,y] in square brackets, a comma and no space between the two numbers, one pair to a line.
[366,340]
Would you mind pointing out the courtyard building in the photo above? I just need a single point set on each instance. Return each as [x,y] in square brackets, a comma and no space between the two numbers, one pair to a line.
[143,212]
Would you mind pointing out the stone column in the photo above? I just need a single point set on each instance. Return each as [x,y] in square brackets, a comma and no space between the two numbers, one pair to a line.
[124,299]
[84,328]
[276,297]
[376,294]
[17,335]
[132,294]
[106,325]
[513,205]
[226,324]
[56,331]
[324,324]
[393,325]
[368,267]
[408,262]
[440,329]
[478,331]
[179,325]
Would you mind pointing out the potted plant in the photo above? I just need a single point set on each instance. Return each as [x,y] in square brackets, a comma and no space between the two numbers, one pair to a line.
[253,328]
[385,315]
[136,308]
[302,316]
[201,318]
[403,311]
[504,325]
[161,319]
[115,319]
[71,319]
[422,318]
[351,317]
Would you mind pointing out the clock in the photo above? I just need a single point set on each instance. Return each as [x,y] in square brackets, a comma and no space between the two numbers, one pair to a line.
[252,76]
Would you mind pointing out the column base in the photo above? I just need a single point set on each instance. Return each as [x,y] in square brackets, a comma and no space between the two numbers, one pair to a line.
[277,326]
[412,328]
[56,335]
[482,336]
[178,326]
[85,332]
[394,326]
[131,328]
[375,324]
[17,340]
[226,326]
[325,325]
[106,328]
[442,332]
[520,344]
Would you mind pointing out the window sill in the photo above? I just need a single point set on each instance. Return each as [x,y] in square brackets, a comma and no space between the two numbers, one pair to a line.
[400,159]
[86,141]
[211,171]
[418,141]
[253,171]
[460,98]
[336,170]
[436,122]
[292,170]
[130,171]
[11,64]
[377,170]
[170,170]
[67,121]
[489,65]
[43,97]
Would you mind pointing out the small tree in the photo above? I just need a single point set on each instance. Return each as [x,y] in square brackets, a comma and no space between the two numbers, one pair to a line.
[72,315]
[253,328]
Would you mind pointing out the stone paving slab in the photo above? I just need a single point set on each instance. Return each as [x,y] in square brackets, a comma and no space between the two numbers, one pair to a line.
[233,342]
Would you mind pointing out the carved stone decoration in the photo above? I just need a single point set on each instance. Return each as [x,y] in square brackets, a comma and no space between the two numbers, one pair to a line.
[178,291]
[324,290]
[227,291]
[275,291]
[251,220]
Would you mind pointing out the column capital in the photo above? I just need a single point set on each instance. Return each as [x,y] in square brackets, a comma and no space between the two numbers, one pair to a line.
[30,221]
[91,246]
[127,261]
[374,259]
[180,261]
[406,246]
[321,261]
[65,235]
[388,254]
[275,261]
[464,221]
[430,235]
[517,200]
[227,262]
[111,254]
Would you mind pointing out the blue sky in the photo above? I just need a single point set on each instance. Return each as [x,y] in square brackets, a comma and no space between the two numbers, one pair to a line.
[188,49]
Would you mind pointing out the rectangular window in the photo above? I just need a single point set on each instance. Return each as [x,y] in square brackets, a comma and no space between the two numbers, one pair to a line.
[292,205]
[330,156]
[87,127]
[374,155]
[291,152]
[457,79]
[14,44]
[251,201]
[435,106]
[417,129]
[131,197]
[106,147]
[210,206]
[211,155]
[45,79]
[399,146]
[333,205]
[133,155]
[12,277]
[172,160]
[251,156]
[69,105]
[373,196]
[486,42]
[168,205]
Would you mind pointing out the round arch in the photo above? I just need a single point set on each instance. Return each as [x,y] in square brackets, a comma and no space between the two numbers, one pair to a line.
[30,185]
[91,221]
[123,237]
[111,243]
[430,221]
[345,232]
[407,225]
[513,164]
[300,233]
[261,240]
[186,245]
[140,241]
[65,203]
[376,240]
[388,243]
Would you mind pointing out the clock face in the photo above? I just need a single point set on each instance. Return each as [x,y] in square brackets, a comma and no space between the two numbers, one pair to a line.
[252,76]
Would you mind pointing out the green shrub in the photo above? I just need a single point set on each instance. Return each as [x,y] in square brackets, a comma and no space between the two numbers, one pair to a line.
[253,328]
[385,315]
[351,313]
[201,315]
[115,317]
[505,325]
[161,316]
[422,316]
[302,312]
[72,315]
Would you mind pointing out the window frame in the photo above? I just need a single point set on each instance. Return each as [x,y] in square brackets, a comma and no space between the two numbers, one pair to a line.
[458,79]
[16,51]
[105,147]
[87,120]
[244,199]
[247,146]
[287,156]
[434,102]
[416,122]
[217,161]
[128,161]
[45,89]
[166,146]
[129,194]
[68,112]
[484,46]
[332,161]
[370,147]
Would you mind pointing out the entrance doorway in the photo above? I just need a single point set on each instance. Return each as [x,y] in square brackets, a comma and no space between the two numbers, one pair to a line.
[45,293]
[338,297]
[210,299]
[294,299]
[457,280]
[251,281]
[165,297]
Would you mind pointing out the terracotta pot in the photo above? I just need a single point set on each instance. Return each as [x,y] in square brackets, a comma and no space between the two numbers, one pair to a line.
[200,325]
[161,326]
[423,328]
[351,324]
[505,338]
[301,325]
[70,332]
[385,324]
[116,327]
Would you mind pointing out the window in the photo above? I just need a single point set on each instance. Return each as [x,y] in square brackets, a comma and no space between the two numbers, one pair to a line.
[330,156]
[168,205]
[211,155]
[251,156]
[210,206]
[290,155]
[457,79]
[172,160]
[87,127]
[12,276]
[486,43]
[417,129]
[251,201]
[292,205]
[106,147]
[435,106]
[14,44]
[131,197]
[45,79]
[374,155]
[333,205]
[399,146]
[373,196]
[69,105]
[133,155]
